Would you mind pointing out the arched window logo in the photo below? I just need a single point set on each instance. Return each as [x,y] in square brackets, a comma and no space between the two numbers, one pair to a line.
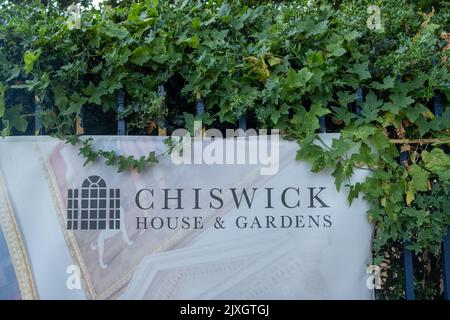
[94,207]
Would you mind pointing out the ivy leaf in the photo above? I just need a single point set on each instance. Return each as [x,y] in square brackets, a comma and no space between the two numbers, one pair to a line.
[419,177]
[139,165]
[94,37]
[314,58]
[411,85]
[425,126]
[341,146]
[29,59]
[75,104]
[61,100]
[310,26]
[14,118]
[115,31]
[96,97]
[362,70]
[274,61]
[399,101]
[318,110]
[444,121]
[365,155]
[141,55]
[335,50]
[388,83]
[14,74]
[112,56]
[372,102]
[259,68]
[318,158]
[110,157]
[94,93]
[415,111]
[367,116]
[151,158]
[345,97]
[437,162]
[274,115]
[342,113]
[307,121]
[354,192]
[352,35]
[73,140]
[89,90]
[6,129]
[17,119]
[284,109]
[190,119]
[315,28]
[338,174]
[196,23]
[421,217]
[362,132]
[410,194]
[370,109]
[298,79]
[193,41]
[87,151]
[126,163]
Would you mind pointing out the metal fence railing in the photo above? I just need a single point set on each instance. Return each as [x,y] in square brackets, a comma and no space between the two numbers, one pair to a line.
[407,255]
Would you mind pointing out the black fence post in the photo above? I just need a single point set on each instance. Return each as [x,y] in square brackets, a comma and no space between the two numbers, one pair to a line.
[121,126]
[359,94]
[200,109]
[162,131]
[242,125]
[446,244]
[200,106]
[446,265]
[37,118]
[323,124]
[408,264]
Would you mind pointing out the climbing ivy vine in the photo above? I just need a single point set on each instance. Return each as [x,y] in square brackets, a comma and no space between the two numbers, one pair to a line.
[285,63]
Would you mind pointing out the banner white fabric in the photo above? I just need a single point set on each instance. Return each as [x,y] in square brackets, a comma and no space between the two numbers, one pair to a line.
[178,231]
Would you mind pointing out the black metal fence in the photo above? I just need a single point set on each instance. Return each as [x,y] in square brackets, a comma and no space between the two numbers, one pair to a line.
[113,122]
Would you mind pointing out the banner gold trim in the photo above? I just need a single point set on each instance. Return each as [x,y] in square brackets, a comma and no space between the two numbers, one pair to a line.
[15,246]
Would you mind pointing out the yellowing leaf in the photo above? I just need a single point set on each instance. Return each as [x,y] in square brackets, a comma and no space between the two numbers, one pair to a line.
[273,61]
[410,195]
[196,23]
[383,202]
[194,41]
[428,114]
[437,162]
[259,67]
[29,59]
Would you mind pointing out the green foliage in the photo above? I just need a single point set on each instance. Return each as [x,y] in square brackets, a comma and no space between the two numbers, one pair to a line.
[286,62]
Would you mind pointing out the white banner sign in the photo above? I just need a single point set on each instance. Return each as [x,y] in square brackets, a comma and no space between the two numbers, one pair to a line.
[178,231]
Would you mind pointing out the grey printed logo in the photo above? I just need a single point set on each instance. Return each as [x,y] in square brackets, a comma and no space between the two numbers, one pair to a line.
[94,207]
